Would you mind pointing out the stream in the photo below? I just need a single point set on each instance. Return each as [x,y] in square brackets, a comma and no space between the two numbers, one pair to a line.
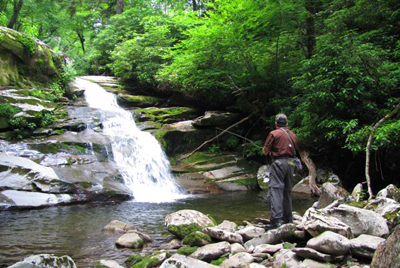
[77,230]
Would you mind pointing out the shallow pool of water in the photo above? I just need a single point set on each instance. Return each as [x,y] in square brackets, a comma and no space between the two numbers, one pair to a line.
[76,230]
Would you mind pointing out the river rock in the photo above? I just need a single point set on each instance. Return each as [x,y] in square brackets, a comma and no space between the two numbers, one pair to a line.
[330,193]
[22,199]
[19,173]
[388,253]
[331,243]
[361,221]
[45,261]
[250,232]
[391,191]
[315,223]
[308,263]
[216,119]
[324,176]
[130,240]
[181,261]
[256,265]
[267,248]
[119,227]
[183,222]
[223,235]
[107,264]
[236,248]
[286,258]
[212,251]
[365,245]
[387,208]
[357,192]
[173,244]
[25,60]
[227,226]
[312,254]
[275,236]
[127,100]
[238,260]
[263,177]
[197,239]
[302,187]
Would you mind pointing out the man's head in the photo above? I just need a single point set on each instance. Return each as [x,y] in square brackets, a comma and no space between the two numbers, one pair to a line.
[281,120]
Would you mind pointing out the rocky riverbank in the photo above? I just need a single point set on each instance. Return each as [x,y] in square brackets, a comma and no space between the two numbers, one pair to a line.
[342,234]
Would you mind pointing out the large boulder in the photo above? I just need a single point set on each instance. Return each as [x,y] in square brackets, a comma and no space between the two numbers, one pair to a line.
[286,258]
[387,208]
[275,236]
[315,223]
[391,191]
[388,253]
[330,243]
[238,260]
[11,199]
[25,60]
[181,261]
[312,254]
[183,222]
[223,235]
[263,177]
[107,264]
[361,221]
[330,193]
[130,240]
[365,245]
[216,119]
[250,232]
[212,251]
[19,173]
[45,261]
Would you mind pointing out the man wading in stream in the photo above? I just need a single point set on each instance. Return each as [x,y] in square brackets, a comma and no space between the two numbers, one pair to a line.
[280,145]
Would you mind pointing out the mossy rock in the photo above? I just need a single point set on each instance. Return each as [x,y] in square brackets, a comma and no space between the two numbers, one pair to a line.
[166,115]
[25,61]
[186,250]
[184,230]
[197,239]
[126,100]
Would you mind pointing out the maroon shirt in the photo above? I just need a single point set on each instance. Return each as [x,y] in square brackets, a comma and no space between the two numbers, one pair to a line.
[278,143]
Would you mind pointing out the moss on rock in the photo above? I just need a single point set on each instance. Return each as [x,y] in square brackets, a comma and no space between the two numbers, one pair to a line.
[197,239]
[184,230]
[186,250]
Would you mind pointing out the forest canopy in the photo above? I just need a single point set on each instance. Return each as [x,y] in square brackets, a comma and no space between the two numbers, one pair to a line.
[331,65]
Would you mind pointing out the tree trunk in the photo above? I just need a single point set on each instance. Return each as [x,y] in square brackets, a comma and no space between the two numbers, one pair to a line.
[17,10]
[194,4]
[312,173]
[81,39]
[368,149]
[310,27]
[120,6]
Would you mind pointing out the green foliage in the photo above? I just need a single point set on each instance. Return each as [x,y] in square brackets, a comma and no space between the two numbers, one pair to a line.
[186,250]
[214,148]
[8,111]
[29,44]
[345,88]
[19,122]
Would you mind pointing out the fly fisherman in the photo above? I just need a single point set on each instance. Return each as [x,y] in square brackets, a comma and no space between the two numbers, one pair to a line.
[280,145]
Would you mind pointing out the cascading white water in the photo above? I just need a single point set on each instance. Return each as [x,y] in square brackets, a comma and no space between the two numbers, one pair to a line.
[140,158]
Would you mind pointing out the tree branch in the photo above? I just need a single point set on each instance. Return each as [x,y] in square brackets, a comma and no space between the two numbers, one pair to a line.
[210,140]
[368,149]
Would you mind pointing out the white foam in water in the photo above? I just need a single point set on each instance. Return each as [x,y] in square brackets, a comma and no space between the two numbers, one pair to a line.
[140,158]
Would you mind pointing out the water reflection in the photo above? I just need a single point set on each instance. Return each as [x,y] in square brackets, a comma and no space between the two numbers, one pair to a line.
[76,230]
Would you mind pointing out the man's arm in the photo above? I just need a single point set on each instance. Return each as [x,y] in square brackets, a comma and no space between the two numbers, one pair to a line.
[268,144]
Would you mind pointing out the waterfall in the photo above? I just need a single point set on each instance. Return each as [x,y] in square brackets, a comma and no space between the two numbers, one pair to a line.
[140,158]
